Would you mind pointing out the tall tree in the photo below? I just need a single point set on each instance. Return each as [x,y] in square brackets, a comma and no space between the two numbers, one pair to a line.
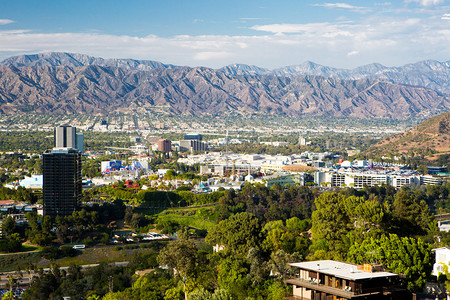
[181,256]
[9,226]
[330,224]
[238,234]
[410,214]
[409,256]
[339,221]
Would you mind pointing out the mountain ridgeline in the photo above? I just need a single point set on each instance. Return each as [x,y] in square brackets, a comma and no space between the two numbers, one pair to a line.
[430,74]
[76,83]
[431,137]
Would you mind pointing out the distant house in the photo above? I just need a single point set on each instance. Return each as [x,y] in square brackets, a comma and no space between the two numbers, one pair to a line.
[442,259]
[217,248]
[225,186]
[327,279]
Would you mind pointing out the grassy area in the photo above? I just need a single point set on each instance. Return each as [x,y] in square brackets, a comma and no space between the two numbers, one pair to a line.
[99,255]
[198,217]
[211,207]
[93,256]
[14,262]
[29,248]
[192,221]
[18,261]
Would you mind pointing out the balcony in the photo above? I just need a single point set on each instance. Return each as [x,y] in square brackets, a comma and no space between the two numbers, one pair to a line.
[340,292]
[310,285]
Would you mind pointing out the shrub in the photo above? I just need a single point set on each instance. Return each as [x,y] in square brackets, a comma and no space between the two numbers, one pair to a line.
[51,253]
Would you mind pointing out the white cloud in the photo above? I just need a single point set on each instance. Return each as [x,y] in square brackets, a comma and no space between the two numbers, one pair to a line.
[446,17]
[426,2]
[5,21]
[345,6]
[211,55]
[17,31]
[284,28]
[324,29]
[390,41]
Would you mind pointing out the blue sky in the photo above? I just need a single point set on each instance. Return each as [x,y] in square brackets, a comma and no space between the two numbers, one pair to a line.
[216,33]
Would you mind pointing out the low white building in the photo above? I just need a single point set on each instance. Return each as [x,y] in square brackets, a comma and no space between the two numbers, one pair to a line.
[399,181]
[442,259]
[360,179]
[282,178]
[226,186]
[139,149]
[33,182]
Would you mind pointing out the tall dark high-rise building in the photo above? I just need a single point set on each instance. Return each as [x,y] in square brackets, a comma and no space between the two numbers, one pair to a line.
[62,184]
[62,181]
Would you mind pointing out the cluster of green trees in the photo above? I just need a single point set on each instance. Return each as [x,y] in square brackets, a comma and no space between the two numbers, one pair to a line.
[27,141]
[19,195]
[260,230]
[155,198]
[403,255]
[394,230]
[240,271]
[138,221]
[88,225]
[11,243]
[11,163]
[377,225]
[269,204]
[176,198]
[78,284]
[96,282]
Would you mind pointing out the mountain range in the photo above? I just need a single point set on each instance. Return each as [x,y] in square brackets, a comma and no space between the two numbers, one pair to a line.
[76,83]
[429,73]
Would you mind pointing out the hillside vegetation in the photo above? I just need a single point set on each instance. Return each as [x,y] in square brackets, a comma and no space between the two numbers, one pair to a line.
[430,138]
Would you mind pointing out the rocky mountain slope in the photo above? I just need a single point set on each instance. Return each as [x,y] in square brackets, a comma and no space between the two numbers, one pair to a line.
[432,135]
[430,73]
[98,89]
[73,60]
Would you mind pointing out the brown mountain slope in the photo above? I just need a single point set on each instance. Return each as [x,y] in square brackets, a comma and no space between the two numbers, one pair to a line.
[432,134]
[102,90]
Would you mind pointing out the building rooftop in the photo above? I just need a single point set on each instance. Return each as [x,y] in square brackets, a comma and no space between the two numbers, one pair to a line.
[339,269]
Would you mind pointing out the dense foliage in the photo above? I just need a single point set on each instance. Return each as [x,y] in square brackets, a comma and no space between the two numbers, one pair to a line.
[259,230]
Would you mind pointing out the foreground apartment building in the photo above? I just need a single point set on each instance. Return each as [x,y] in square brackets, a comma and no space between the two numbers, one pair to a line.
[333,280]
